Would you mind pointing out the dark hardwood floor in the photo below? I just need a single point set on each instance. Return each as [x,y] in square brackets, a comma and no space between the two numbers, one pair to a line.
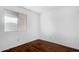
[41,46]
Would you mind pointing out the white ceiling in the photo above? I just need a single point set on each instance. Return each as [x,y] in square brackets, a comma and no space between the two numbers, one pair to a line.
[40,9]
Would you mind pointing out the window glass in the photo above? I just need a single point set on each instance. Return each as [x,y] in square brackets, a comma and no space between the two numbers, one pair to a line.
[10,21]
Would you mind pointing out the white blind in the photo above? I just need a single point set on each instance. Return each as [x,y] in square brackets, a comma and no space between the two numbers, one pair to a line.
[14,21]
[10,21]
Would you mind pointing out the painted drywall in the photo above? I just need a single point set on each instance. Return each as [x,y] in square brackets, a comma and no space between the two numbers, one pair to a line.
[58,25]
[12,39]
[61,26]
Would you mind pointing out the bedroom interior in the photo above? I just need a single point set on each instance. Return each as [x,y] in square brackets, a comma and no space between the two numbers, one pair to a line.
[39,28]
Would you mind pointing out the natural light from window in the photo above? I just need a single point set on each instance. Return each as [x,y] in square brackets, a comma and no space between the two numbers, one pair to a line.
[10,22]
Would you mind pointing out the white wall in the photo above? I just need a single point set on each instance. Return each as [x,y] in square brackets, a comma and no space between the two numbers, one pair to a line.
[61,26]
[12,39]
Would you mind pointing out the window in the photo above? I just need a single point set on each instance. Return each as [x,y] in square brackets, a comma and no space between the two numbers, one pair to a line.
[10,21]
[14,21]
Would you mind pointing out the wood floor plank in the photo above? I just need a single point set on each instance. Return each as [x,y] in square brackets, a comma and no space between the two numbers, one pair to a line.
[41,46]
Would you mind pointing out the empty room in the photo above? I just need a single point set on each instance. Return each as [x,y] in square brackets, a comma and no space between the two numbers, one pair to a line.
[39,28]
